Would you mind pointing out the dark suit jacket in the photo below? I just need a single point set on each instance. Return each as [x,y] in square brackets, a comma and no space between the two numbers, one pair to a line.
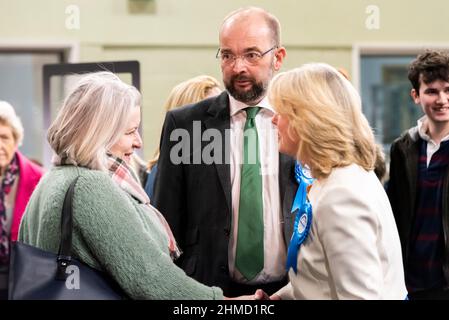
[196,198]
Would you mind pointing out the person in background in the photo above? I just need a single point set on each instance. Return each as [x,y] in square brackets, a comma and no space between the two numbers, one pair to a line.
[19,177]
[115,229]
[345,243]
[419,181]
[380,168]
[229,205]
[187,92]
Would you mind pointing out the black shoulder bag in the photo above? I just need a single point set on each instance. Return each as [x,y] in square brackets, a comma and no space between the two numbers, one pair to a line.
[35,274]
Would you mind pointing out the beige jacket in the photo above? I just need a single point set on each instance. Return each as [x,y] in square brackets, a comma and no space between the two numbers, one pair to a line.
[353,249]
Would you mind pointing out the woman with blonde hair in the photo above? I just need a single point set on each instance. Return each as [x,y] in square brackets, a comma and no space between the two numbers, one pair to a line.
[345,243]
[115,229]
[190,91]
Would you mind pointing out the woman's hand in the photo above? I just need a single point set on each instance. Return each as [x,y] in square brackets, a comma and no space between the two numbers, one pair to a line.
[258,295]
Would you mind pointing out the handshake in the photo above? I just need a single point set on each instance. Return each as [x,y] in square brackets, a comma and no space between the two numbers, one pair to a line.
[258,295]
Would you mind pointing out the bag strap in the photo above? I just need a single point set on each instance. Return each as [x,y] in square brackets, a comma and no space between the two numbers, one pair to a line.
[65,246]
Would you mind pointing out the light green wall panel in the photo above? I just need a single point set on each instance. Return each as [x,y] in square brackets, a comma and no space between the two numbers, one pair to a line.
[177,39]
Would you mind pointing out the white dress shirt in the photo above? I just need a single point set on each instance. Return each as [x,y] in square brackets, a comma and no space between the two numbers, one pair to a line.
[274,247]
[353,249]
[432,146]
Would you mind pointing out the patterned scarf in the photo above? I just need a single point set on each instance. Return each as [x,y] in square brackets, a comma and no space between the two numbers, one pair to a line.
[127,180]
[11,173]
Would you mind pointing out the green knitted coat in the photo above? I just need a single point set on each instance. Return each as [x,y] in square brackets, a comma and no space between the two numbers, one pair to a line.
[111,232]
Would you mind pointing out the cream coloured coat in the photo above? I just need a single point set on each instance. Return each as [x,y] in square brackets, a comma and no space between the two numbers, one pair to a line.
[353,249]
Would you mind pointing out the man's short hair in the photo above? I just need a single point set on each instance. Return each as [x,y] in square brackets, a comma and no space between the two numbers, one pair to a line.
[429,67]
[272,22]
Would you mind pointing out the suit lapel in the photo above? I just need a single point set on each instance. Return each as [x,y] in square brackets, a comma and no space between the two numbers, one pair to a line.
[219,113]
[287,187]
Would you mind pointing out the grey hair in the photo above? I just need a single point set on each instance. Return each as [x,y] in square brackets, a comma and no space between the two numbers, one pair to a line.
[9,117]
[91,120]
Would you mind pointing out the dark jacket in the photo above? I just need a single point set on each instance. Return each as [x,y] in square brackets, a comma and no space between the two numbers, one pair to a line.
[402,189]
[195,198]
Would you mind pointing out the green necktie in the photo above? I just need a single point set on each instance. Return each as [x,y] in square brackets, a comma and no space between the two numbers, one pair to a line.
[249,255]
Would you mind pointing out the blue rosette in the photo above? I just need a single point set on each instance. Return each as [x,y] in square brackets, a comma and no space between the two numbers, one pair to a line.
[303,218]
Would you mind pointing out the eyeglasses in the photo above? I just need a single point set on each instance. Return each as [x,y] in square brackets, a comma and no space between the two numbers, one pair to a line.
[250,57]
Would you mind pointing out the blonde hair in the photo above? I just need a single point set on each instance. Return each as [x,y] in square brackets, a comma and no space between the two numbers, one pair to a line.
[324,111]
[191,91]
[91,120]
[380,167]
[187,92]
[9,117]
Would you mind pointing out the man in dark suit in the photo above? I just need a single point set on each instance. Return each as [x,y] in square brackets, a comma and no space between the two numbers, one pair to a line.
[204,185]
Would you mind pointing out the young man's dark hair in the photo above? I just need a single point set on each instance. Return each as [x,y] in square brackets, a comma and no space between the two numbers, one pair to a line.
[430,66]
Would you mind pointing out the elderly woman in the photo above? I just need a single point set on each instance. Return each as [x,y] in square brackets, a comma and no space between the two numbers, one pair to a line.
[115,229]
[345,244]
[19,176]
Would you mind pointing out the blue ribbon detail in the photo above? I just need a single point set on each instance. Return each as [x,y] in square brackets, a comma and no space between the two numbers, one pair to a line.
[303,219]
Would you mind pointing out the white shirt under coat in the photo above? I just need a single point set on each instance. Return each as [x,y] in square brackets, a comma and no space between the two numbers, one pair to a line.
[423,131]
[274,246]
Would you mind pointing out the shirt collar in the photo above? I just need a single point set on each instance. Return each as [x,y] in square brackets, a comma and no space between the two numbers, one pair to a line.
[237,106]
[423,129]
